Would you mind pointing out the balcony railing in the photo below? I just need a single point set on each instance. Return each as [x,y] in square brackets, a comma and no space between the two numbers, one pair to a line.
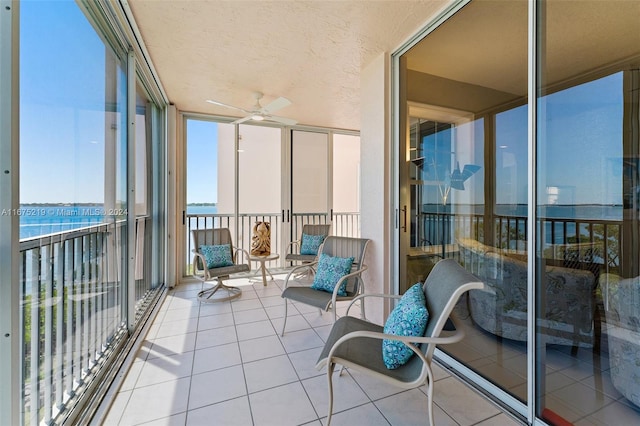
[73,312]
[345,224]
[510,232]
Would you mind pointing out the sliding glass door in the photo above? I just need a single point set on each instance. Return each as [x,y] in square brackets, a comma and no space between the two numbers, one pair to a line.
[529,178]
[238,175]
[463,182]
[588,238]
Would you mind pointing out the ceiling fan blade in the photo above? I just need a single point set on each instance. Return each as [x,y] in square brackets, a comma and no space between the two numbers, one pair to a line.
[276,105]
[242,120]
[227,105]
[283,120]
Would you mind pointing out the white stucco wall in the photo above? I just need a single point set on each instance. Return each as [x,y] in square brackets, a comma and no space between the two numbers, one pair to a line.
[375,179]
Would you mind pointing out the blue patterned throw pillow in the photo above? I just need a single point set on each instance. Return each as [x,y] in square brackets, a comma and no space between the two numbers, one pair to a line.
[311,243]
[329,271]
[217,256]
[408,318]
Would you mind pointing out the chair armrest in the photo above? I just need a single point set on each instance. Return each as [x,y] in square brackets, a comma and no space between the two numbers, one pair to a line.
[291,244]
[410,341]
[205,270]
[344,278]
[297,269]
[245,256]
[381,295]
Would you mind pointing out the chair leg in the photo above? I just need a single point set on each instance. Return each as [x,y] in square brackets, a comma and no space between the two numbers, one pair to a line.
[284,323]
[208,294]
[430,396]
[330,368]
[363,315]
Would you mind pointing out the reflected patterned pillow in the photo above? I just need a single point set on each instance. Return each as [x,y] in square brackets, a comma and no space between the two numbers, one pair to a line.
[408,318]
[217,256]
[311,243]
[329,271]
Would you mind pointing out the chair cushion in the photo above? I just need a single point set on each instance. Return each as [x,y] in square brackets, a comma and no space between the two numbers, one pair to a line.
[217,256]
[311,243]
[408,318]
[329,271]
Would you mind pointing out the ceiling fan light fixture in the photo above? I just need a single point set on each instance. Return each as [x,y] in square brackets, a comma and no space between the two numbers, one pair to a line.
[259,112]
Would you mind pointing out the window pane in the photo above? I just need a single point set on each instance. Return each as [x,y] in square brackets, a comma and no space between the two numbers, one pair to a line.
[143,115]
[260,185]
[465,168]
[260,170]
[71,117]
[73,133]
[210,171]
[309,179]
[346,185]
[588,156]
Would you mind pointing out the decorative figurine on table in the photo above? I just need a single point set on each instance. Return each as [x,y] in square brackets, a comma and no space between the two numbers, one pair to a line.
[261,240]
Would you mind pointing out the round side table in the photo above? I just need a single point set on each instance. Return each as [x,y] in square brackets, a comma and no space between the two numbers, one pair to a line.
[263,267]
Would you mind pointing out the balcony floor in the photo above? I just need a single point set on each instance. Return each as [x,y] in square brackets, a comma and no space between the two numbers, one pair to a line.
[225,364]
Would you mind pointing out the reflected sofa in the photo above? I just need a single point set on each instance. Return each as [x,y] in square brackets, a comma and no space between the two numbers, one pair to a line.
[501,307]
[622,313]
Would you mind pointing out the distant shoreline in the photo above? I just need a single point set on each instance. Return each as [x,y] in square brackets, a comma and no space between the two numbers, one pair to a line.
[98,204]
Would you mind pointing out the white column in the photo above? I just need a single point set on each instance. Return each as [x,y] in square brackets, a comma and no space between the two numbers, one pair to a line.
[376,201]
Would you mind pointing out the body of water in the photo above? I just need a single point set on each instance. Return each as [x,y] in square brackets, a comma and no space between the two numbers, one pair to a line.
[43,219]
[581,212]
[191,209]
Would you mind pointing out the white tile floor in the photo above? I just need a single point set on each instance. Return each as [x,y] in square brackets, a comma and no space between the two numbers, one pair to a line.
[225,364]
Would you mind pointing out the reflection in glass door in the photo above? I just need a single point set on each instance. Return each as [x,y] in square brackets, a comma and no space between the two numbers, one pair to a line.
[588,238]
[429,168]
[465,184]
[558,317]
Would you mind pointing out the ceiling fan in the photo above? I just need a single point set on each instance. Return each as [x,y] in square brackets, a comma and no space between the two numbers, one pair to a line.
[259,112]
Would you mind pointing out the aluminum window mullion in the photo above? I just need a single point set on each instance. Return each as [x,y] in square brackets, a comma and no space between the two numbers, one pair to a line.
[531,210]
[10,324]
[47,278]
[130,295]
[59,263]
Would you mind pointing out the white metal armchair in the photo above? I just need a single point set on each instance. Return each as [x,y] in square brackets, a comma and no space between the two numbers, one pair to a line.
[358,344]
[214,258]
[329,284]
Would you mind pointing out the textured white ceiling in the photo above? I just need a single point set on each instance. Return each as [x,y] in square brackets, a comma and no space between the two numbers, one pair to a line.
[310,52]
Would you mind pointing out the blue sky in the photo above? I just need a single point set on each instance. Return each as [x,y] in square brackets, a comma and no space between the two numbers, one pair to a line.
[62,104]
[202,161]
[62,101]
[62,130]
[579,138]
